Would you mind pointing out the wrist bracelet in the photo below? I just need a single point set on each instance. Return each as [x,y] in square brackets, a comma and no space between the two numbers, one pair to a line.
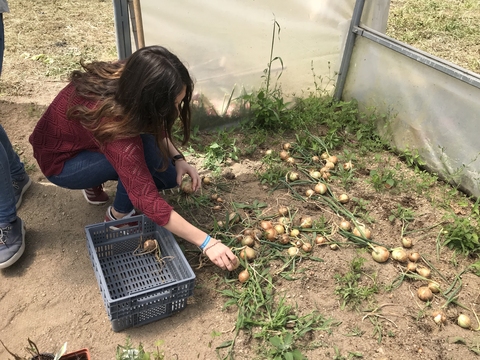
[205,251]
[205,242]
[177,157]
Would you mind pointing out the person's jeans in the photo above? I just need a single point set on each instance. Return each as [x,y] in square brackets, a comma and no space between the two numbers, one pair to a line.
[2,41]
[89,169]
[11,168]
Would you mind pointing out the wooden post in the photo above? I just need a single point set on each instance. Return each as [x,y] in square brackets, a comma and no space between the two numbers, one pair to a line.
[137,23]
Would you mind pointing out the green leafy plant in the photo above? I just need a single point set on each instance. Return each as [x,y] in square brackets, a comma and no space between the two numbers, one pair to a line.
[283,348]
[349,288]
[382,179]
[131,352]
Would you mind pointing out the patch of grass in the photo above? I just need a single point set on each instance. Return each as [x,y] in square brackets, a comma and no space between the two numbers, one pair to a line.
[349,288]
[131,352]
[447,29]
[462,233]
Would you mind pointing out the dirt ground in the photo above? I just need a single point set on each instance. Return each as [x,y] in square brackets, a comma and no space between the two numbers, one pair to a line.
[51,294]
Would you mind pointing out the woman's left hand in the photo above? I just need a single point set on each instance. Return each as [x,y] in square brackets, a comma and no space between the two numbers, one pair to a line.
[183,168]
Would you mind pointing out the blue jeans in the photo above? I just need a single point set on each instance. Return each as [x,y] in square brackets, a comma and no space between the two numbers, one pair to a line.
[2,41]
[89,169]
[10,168]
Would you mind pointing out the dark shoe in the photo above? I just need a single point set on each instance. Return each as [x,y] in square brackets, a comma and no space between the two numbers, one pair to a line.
[12,242]
[19,187]
[95,195]
[109,217]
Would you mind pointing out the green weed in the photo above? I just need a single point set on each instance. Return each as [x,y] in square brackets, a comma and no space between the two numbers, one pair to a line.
[131,352]
[349,289]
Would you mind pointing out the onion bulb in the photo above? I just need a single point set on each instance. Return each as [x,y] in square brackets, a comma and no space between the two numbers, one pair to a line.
[283,221]
[329,165]
[257,234]
[407,242]
[290,160]
[348,166]
[207,180]
[320,188]
[248,253]
[293,176]
[306,222]
[345,225]
[333,159]
[307,247]
[415,256]
[283,211]
[343,198]
[434,287]
[309,193]
[411,267]
[286,146]
[315,159]
[316,174]
[233,217]
[293,251]
[464,321]
[320,240]
[268,152]
[324,156]
[284,239]
[217,207]
[284,155]
[248,240]
[279,228]
[186,185]
[380,254]
[423,271]
[243,276]
[294,232]
[266,224]
[271,234]
[424,293]
[362,231]
[334,246]
[326,175]
[439,317]
[399,255]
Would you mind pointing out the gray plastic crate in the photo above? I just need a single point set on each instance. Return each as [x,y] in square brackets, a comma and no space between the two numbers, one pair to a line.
[137,289]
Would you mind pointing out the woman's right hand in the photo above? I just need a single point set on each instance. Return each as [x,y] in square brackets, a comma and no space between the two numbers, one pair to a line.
[221,255]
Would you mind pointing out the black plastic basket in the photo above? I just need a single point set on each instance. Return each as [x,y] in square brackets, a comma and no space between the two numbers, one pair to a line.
[138,289]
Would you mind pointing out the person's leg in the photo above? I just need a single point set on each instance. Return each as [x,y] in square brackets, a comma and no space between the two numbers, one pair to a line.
[12,228]
[163,179]
[2,42]
[8,212]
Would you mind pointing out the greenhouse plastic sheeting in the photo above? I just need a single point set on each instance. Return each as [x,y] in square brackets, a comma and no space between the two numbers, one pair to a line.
[226,44]
[426,109]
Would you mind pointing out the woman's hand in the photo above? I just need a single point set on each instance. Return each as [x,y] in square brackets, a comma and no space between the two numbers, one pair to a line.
[183,168]
[221,255]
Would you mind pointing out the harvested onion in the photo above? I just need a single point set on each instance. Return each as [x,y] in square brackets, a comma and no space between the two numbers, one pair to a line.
[434,287]
[266,224]
[399,255]
[243,276]
[343,198]
[345,225]
[320,240]
[423,271]
[293,251]
[248,240]
[279,228]
[271,234]
[294,232]
[411,267]
[464,321]
[307,247]
[424,293]
[186,185]
[284,239]
[320,188]
[414,256]
[286,146]
[306,222]
[284,155]
[407,242]
[248,253]
[439,317]
[309,193]
[362,231]
[380,254]
[283,210]
[293,176]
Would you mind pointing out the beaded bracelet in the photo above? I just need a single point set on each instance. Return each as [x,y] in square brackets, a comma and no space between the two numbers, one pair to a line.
[205,251]
[205,242]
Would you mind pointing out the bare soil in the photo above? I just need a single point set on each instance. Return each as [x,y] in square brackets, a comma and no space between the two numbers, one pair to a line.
[51,295]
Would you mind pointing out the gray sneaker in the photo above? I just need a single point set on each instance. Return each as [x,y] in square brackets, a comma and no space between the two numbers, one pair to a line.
[12,242]
[19,187]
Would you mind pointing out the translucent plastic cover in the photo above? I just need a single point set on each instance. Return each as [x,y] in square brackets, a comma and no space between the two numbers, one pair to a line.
[426,109]
[227,44]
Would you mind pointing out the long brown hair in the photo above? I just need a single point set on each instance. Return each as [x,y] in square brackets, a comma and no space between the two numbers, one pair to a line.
[135,96]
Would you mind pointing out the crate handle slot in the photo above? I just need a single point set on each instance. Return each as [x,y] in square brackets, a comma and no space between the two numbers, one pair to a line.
[163,295]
